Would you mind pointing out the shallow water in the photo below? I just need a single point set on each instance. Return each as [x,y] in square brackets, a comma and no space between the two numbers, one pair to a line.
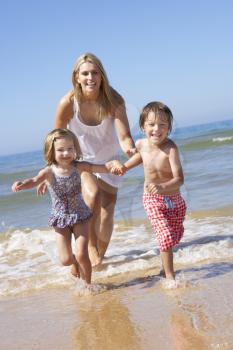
[130,306]
[138,313]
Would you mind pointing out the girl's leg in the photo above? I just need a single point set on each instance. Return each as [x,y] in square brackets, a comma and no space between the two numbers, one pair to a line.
[108,196]
[67,258]
[82,257]
[167,261]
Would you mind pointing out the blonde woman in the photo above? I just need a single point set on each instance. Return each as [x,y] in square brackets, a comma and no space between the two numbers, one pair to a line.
[96,114]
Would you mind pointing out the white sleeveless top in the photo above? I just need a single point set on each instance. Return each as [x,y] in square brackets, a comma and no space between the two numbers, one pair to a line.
[98,143]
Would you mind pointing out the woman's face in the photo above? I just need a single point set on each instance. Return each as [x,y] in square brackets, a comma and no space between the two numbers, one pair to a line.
[89,77]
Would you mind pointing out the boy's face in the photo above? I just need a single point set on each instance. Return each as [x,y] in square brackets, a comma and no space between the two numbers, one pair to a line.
[156,127]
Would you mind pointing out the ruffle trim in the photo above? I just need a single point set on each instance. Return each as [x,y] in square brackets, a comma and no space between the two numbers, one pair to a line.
[67,220]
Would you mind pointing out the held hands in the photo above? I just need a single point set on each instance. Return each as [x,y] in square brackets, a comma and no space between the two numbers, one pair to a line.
[115,167]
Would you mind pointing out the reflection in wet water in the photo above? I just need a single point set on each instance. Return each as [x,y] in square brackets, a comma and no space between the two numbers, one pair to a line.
[105,324]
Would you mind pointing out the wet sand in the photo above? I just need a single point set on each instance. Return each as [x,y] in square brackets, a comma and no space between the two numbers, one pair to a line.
[140,312]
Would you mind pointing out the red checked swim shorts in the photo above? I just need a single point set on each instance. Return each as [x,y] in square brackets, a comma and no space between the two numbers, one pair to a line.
[166,214]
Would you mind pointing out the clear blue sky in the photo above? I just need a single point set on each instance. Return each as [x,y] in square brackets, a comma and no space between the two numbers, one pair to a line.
[178,52]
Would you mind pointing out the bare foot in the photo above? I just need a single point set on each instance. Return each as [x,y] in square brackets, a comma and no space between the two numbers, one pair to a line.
[94,256]
[75,270]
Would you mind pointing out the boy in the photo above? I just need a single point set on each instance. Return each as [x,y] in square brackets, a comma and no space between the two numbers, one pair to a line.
[163,178]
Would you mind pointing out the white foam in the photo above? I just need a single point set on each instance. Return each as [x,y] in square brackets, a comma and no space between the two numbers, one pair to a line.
[222,139]
[29,260]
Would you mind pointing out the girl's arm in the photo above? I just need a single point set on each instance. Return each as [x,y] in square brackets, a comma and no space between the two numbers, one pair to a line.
[123,131]
[30,183]
[64,111]
[99,168]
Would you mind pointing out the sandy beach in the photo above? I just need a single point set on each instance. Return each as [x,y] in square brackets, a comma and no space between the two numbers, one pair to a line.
[41,306]
[141,312]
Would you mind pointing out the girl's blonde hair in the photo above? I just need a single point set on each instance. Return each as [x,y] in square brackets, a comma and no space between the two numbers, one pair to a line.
[49,153]
[108,98]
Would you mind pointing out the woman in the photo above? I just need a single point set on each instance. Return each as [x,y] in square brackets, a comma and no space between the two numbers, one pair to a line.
[96,113]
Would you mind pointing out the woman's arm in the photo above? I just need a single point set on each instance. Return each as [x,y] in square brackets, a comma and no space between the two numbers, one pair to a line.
[30,183]
[63,115]
[123,130]
[64,111]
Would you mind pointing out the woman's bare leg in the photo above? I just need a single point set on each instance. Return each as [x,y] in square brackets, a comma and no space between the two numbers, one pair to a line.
[91,196]
[101,199]
[108,197]
[67,258]
[94,233]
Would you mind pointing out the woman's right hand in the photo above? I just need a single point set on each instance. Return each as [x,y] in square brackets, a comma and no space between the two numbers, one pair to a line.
[41,189]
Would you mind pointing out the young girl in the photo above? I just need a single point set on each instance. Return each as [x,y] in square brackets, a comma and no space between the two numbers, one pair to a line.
[69,213]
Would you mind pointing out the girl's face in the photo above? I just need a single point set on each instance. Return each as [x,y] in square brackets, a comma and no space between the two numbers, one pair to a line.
[64,151]
[156,128]
[89,77]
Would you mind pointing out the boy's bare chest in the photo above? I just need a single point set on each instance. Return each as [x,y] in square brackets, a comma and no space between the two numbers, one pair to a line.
[156,160]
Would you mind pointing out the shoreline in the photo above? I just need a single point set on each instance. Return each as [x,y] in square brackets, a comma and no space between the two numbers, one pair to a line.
[140,312]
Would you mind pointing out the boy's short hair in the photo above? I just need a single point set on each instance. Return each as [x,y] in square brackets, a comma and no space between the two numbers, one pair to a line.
[156,107]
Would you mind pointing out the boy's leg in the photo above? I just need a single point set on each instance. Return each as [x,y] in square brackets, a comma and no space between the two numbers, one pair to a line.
[81,236]
[167,261]
[67,258]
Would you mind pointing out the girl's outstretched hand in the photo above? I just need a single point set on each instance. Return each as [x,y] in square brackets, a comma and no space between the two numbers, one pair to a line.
[17,186]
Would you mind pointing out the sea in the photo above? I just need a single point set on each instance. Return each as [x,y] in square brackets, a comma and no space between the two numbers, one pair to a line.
[28,255]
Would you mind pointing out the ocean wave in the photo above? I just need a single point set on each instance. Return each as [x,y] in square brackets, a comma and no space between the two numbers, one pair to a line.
[209,141]
[222,139]
[29,259]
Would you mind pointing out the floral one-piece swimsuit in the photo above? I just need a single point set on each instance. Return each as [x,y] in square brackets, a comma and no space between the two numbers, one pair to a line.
[68,206]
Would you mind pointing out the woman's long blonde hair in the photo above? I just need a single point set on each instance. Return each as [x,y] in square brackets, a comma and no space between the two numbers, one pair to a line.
[108,98]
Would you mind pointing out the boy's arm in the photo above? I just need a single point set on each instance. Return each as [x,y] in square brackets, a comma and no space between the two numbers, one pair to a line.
[30,183]
[178,177]
[135,160]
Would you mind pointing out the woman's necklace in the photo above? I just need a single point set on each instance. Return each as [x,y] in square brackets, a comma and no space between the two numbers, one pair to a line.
[90,114]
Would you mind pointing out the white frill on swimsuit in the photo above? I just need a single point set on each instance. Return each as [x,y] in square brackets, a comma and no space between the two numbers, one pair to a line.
[98,143]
